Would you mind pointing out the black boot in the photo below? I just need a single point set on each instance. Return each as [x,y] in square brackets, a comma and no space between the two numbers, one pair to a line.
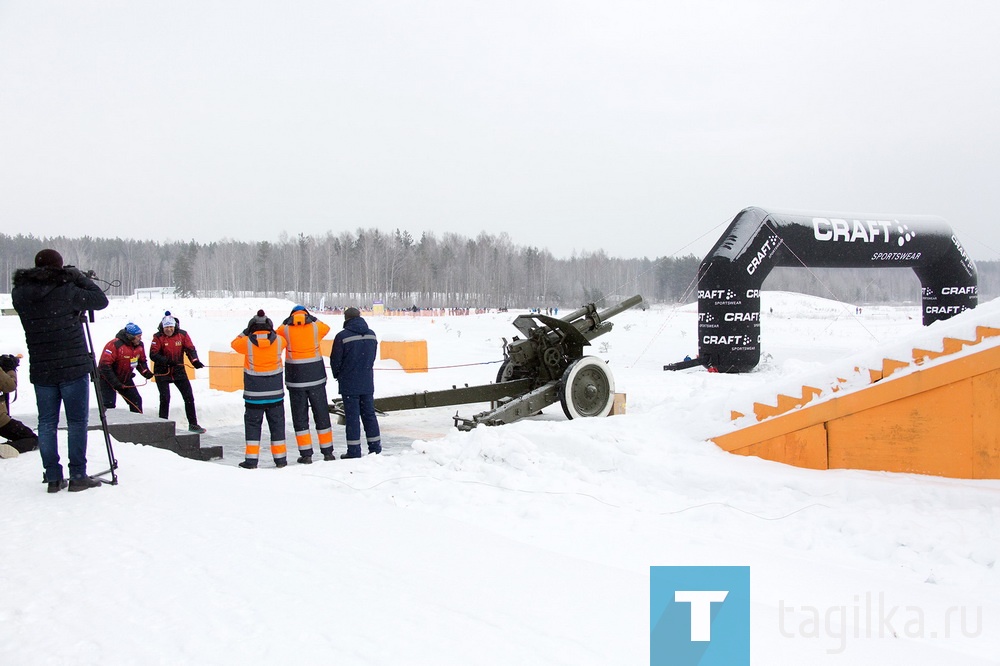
[353,451]
[86,483]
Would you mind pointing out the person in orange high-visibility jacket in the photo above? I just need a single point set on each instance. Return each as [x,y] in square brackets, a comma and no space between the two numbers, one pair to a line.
[263,388]
[305,379]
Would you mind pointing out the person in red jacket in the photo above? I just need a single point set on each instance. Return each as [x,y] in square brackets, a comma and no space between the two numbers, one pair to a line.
[169,347]
[120,360]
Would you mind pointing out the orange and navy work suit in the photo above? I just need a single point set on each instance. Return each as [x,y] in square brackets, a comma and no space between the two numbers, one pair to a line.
[119,362]
[305,379]
[263,392]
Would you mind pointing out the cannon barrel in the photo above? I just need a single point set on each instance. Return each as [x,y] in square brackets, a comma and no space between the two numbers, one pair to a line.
[621,307]
[591,323]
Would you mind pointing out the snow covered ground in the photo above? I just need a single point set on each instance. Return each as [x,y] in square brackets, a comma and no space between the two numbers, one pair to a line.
[525,544]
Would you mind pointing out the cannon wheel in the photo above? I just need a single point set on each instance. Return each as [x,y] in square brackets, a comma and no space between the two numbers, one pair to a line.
[506,372]
[587,388]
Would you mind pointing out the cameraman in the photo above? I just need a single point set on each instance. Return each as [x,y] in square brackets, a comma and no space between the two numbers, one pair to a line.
[20,437]
[50,300]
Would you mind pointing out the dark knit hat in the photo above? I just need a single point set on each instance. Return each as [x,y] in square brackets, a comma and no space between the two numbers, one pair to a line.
[48,258]
[260,323]
[351,313]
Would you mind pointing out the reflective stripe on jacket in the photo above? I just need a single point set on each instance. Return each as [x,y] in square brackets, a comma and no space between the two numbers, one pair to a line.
[304,366]
[263,377]
[353,356]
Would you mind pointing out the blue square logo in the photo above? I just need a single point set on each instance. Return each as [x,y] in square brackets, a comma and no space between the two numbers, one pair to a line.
[699,616]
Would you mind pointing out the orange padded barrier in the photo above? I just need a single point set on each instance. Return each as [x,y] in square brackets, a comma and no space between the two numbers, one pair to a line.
[937,420]
[411,354]
[225,371]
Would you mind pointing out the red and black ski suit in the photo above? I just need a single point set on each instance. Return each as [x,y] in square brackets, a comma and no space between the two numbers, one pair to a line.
[119,362]
[167,353]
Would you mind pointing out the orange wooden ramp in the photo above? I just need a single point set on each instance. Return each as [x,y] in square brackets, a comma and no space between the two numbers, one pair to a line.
[939,418]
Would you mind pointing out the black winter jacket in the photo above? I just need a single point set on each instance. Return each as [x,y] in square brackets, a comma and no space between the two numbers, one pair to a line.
[50,301]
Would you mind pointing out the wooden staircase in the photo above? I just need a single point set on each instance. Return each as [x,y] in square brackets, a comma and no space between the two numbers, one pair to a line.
[939,417]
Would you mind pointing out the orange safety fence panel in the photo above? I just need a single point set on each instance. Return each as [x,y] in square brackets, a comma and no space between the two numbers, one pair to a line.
[225,371]
[411,354]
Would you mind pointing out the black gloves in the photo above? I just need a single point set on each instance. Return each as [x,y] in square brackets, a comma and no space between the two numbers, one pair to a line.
[147,374]
[9,362]
[197,364]
[79,278]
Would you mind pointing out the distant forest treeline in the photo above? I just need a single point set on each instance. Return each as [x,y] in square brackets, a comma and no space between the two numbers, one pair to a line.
[488,271]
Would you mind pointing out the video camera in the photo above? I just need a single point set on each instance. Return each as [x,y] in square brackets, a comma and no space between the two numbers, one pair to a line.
[9,362]
[86,274]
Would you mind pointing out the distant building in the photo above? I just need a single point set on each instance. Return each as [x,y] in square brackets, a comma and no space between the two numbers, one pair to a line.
[155,293]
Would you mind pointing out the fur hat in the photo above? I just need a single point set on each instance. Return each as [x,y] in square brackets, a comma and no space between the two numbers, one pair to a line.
[48,258]
[132,329]
[260,323]
[351,313]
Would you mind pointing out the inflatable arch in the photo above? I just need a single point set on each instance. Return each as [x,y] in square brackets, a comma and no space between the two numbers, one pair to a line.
[731,275]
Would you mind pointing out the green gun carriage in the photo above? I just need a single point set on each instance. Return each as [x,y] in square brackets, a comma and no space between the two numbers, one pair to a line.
[545,366]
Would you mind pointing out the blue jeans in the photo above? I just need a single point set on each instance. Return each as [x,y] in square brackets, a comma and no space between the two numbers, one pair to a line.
[75,398]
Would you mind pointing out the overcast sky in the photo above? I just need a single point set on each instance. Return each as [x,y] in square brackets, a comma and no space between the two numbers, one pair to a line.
[637,127]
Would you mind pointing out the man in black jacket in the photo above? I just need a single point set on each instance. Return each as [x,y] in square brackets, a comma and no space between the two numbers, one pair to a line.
[50,299]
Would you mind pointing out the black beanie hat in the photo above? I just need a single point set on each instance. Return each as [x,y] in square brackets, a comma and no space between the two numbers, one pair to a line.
[260,323]
[351,313]
[48,258]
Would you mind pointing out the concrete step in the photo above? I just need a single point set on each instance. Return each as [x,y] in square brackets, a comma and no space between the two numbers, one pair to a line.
[126,426]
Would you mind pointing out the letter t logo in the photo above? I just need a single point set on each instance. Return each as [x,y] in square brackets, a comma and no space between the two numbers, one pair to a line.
[699,616]
[701,610]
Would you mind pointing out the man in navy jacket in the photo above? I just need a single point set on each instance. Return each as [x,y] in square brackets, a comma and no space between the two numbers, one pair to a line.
[351,362]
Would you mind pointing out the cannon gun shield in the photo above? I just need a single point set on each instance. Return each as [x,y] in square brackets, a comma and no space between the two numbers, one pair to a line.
[587,389]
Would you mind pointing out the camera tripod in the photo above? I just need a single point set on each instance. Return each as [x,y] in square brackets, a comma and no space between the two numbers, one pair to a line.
[95,378]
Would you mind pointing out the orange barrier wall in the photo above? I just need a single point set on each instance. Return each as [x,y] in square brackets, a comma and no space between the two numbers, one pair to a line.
[937,420]
[411,354]
[225,371]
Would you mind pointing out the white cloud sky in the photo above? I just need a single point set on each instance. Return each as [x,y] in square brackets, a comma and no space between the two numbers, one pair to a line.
[635,127]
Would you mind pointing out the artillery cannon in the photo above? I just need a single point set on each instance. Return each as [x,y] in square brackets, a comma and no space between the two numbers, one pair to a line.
[546,366]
